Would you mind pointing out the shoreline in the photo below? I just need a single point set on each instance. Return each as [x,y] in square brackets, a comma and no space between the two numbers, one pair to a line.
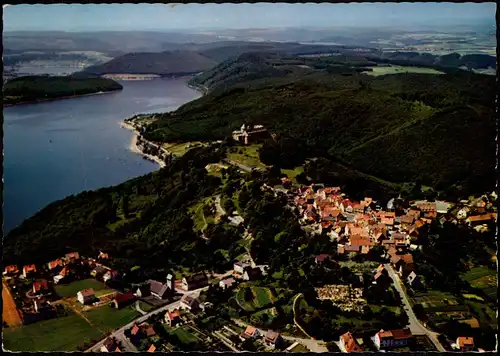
[60,98]
[134,148]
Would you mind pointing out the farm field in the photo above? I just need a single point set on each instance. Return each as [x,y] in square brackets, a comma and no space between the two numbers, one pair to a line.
[484,279]
[107,317]
[292,173]
[395,69]
[262,297]
[183,334]
[70,290]
[247,155]
[179,149]
[60,334]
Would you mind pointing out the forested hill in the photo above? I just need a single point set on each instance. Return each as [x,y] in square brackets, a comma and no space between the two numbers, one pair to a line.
[35,88]
[437,129]
[164,63]
[142,221]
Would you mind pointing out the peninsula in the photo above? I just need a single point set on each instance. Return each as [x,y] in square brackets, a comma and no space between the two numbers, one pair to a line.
[33,89]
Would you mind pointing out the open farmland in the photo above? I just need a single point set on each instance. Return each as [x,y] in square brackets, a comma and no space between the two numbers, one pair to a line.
[107,317]
[484,279]
[70,290]
[247,155]
[395,69]
[60,334]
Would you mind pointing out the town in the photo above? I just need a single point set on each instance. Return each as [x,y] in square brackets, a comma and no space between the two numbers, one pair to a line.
[171,313]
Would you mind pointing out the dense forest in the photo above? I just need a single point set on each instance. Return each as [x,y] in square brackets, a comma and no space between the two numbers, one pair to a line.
[146,216]
[399,128]
[34,88]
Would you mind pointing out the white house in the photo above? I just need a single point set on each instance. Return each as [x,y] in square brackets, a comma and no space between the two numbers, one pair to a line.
[412,278]
[392,338]
[462,213]
[86,296]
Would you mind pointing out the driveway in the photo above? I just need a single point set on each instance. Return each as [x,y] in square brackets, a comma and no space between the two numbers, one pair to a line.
[415,326]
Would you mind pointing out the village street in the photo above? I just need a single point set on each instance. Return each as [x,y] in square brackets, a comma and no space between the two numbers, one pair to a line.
[119,333]
[415,326]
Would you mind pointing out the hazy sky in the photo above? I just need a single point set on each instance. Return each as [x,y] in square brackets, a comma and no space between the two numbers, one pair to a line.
[75,17]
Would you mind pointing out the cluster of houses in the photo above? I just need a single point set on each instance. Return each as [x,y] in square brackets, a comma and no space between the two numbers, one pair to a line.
[391,339]
[36,302]
[360,225]
[61,270]
[383,340]
[270,338]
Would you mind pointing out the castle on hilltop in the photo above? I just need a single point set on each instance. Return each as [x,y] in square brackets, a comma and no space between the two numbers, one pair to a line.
[249,133]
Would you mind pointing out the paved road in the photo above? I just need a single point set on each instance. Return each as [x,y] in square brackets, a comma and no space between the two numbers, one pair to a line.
[415,326]
[119,333]
[138,307]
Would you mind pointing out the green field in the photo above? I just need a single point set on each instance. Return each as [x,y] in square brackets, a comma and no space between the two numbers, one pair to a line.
[70,290]
[184,335]
[145,306]
[395,69]
[262,297]
[434,299]
[59,334]
[292,173]
[199,218]
[484,279]
[264,317]
[473,296]
[107,317]
[178,149]
[484,313]
[247,155]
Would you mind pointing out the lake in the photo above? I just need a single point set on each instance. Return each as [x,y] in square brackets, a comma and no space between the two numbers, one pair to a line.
[58,148]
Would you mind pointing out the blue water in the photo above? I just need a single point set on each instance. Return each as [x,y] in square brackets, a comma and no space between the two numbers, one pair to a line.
[55,149]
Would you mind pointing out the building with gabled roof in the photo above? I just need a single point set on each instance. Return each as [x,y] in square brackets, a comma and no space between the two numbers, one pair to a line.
[29,270]
[393,338]
[465,343]
[250,333]
[11,270]
[158,289]
[86,296]
[347,343]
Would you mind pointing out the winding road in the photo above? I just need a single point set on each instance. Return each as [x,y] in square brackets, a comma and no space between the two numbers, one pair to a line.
[415,326]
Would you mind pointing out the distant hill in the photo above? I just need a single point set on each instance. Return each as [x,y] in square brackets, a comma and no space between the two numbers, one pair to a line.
[404,127]
[247,67]
[37,88]
[164,63]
